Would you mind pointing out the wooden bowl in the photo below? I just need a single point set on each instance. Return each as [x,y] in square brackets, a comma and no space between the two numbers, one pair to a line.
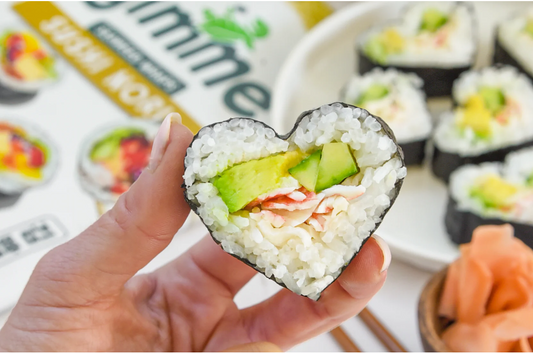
[430,324]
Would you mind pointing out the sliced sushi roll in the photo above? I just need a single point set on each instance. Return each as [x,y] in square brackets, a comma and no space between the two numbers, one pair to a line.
[25,66]
[435,40]
[399,100]
[494,116]
[28,158]
[297,207]
[492,193]
[113,157]
[514,42]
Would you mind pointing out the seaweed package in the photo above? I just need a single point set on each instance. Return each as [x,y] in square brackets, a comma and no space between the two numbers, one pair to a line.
[297,208]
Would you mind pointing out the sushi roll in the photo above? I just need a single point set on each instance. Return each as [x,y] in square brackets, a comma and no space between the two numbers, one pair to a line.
[492,193]
[113,157]
[514,42]
[28,158]
[25,66]
[494,116]
[299,207]
[435,40]
[399,100]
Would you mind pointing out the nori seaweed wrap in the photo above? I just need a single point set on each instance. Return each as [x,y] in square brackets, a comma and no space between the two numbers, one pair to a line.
[492,193]
[435,41]
[298,207]
[492,118]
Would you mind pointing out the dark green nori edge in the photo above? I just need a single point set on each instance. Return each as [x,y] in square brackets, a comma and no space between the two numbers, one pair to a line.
[393,196]
[438,82]
[444,163]
[414,152]
[461,224]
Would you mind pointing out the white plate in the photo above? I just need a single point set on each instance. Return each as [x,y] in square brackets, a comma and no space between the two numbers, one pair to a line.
[313,75]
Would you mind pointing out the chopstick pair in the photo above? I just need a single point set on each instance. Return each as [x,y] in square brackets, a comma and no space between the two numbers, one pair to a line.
[377,328]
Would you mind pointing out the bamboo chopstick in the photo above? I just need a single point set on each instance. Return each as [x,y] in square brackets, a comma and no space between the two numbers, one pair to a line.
[380,331]
[343,340]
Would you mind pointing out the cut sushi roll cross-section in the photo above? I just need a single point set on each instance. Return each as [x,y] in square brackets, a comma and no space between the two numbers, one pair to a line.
[514,42]
[493,193]
[25,65]
[494,116]
[398,99]
[27,158]
[115,157]
[435,40]
[298,207]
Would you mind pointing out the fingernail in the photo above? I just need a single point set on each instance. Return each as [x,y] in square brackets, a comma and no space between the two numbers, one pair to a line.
[161,140]
[387,256]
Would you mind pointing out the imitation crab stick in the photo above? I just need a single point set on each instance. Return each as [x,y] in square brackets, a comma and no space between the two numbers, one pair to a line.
[488,294]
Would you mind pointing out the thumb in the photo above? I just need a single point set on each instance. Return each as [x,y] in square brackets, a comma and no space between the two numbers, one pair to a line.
[140,225]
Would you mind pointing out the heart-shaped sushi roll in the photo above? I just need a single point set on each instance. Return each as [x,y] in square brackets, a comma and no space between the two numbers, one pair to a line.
[298,207]
[28,158]
[113,157]
[26,65]
[514,42]
[494,116]
[434,40]
[398,99]
[492,193]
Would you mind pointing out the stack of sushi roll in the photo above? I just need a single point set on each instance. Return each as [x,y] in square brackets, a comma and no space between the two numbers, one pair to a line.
[112,159]
[399,100]
[494,116]
[25,66]
[435,40]
[298,207]
[514,42]
[28,159]
[492,193]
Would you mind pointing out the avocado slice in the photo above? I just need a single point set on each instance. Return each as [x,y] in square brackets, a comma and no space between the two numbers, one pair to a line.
[477,117]
[380,46]
[374,92]
[337,163]
[244,182]
[493,191]
[306,172]
[107,147]
[493,97]
[432,20]
[529,27]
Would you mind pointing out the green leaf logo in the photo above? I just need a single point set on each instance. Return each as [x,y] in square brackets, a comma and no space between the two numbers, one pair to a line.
[225,29]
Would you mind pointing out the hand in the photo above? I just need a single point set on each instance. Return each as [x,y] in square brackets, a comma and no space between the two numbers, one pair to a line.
[83,295]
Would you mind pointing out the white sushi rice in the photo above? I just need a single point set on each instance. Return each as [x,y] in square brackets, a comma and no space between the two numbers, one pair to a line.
[15,183]
[516,41]
[403,109]
[450,138]
[304,260]
[420,50]
[95,178]
[517,168]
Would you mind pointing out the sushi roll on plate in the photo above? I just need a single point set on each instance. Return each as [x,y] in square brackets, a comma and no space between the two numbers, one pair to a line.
[113,157]
[434,40]
[28,158]
[494,116]
[514,42]
[492,193]
[398,99]
[297,207]
[26,65]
